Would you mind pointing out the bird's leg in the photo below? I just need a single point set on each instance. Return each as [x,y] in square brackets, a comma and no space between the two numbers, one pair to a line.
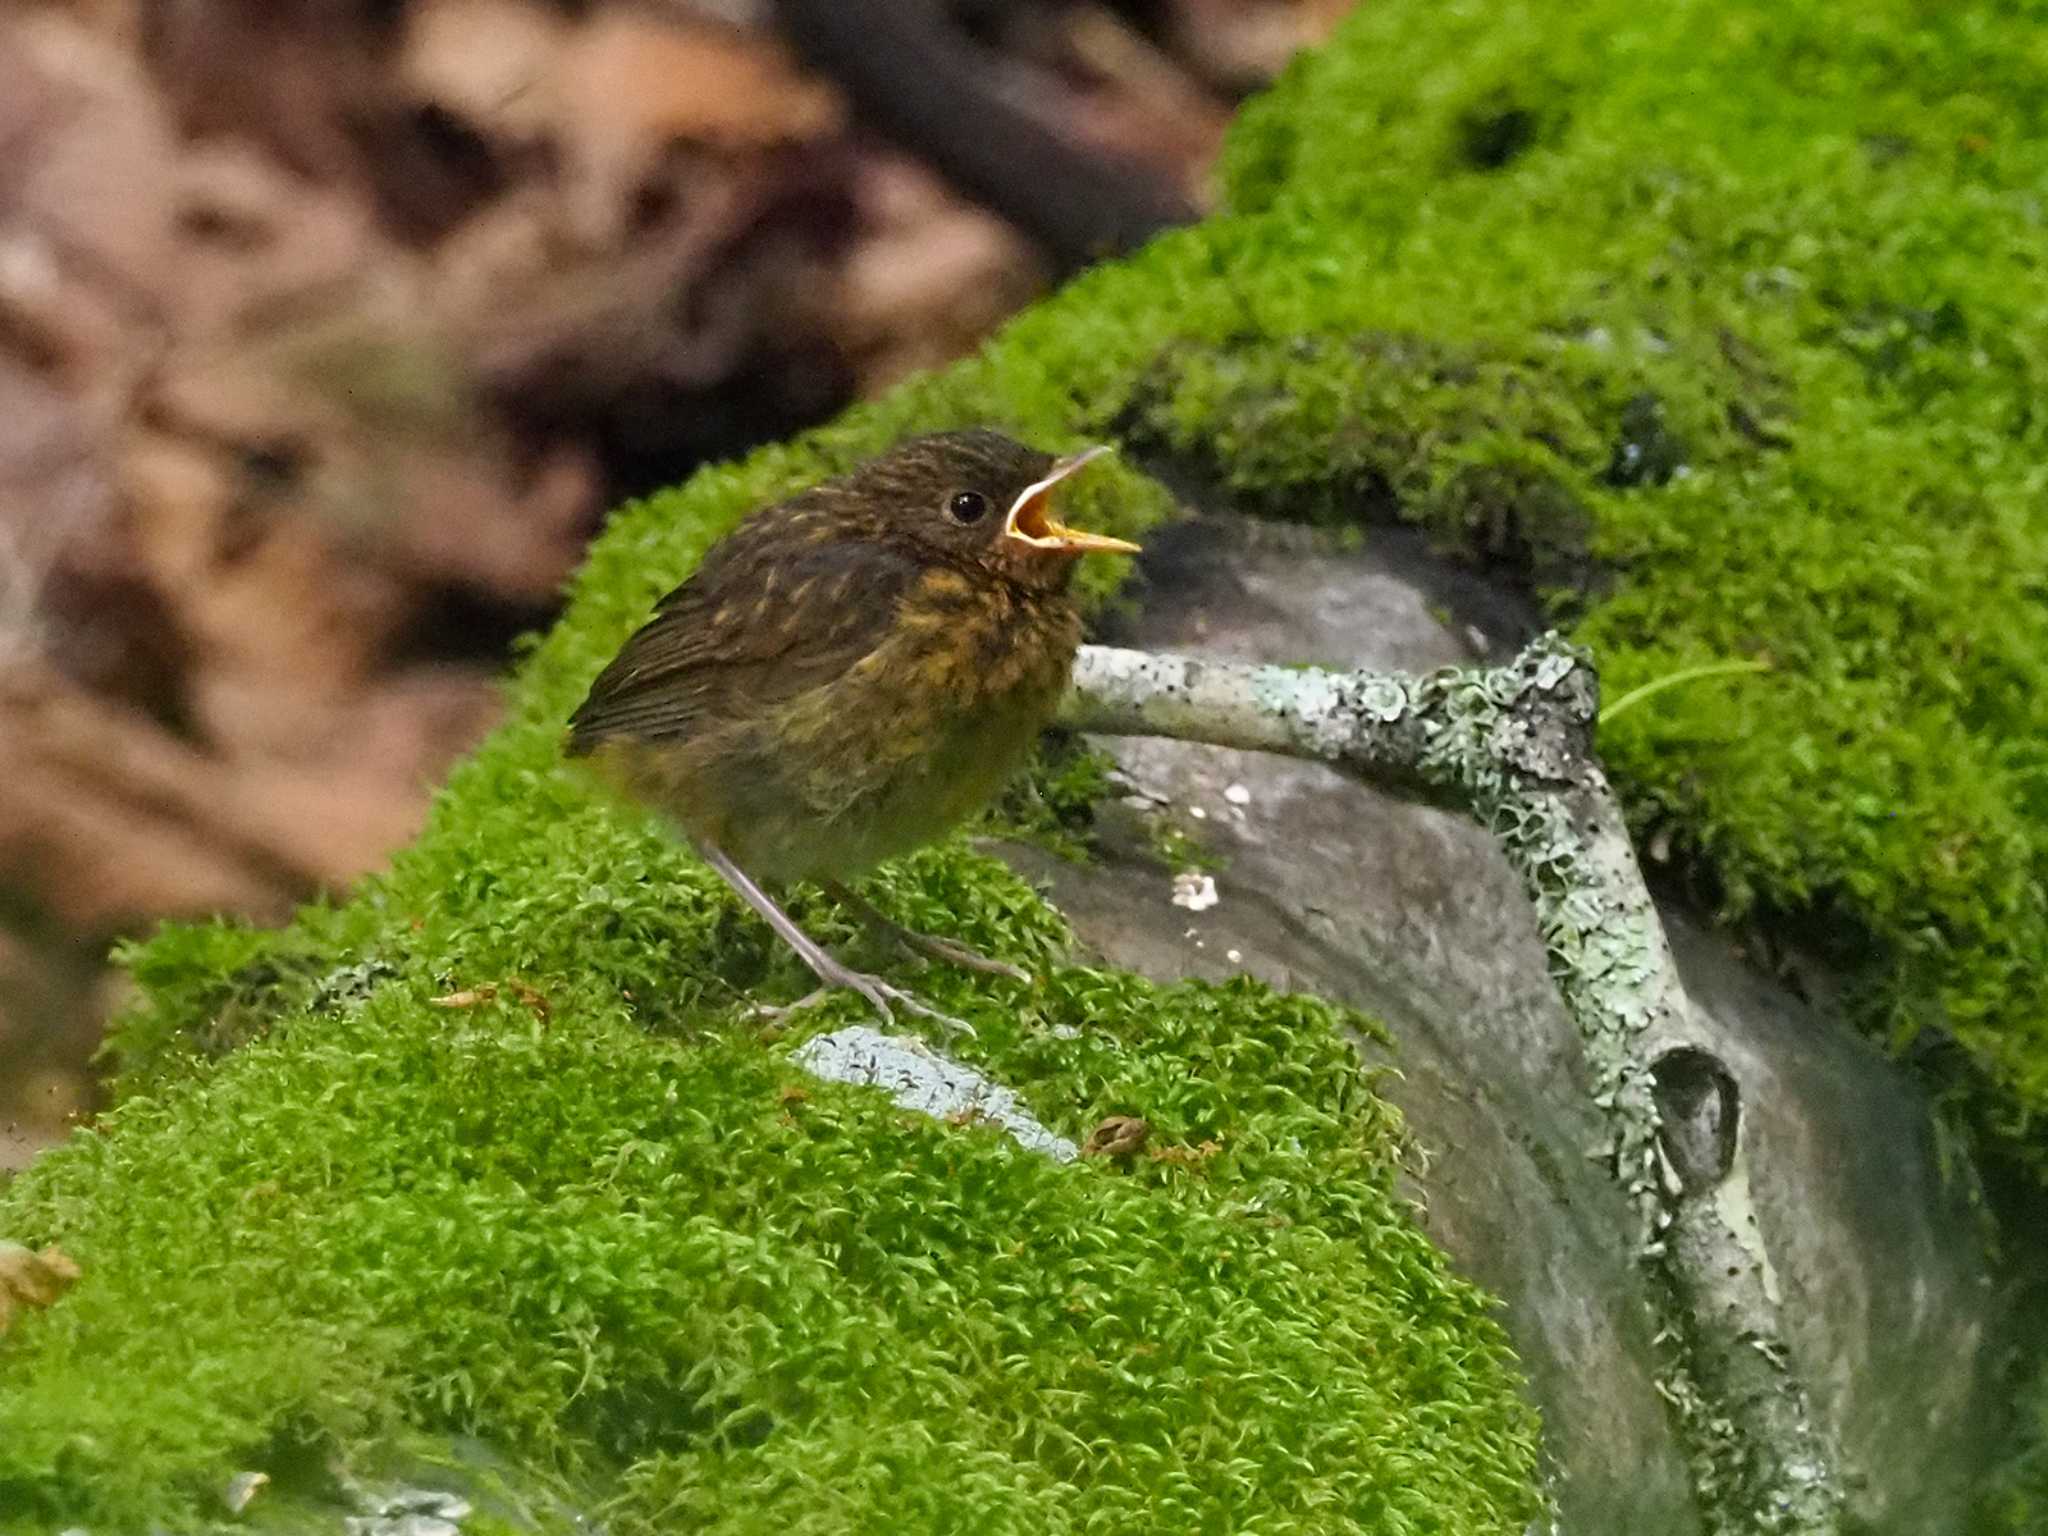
[927,944]
[828,970]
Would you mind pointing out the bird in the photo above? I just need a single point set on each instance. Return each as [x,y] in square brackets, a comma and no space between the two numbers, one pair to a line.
[849,674]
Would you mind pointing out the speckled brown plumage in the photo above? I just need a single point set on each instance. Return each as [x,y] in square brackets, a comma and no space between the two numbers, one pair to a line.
[853,671]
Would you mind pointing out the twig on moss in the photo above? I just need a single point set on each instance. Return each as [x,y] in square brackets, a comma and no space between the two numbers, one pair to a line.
[1657,685]
[1513,747]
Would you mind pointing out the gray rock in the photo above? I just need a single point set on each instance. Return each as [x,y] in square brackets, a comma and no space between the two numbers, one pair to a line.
[1413,915]
[410,1512]
[920,1079]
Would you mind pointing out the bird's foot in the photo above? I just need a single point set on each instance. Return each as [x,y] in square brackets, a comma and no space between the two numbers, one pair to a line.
[951,952]
[877,991]
[930,945]
[828,970]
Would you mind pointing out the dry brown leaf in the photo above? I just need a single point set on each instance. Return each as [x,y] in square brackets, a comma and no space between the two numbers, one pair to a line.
[1239,45]
[476,997]
[488,61]
[1186,1157]
[32,1279]
[632,90]
[929,277]
[656,78]
[1148,108]
[1119,1136]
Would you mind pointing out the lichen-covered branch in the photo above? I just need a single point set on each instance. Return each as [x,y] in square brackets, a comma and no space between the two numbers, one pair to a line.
[1361,721]
[1512,746]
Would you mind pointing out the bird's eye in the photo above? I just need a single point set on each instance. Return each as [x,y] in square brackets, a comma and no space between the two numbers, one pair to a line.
[966,507]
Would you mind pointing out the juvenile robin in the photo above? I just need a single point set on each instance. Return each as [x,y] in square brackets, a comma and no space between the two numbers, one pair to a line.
[849,674]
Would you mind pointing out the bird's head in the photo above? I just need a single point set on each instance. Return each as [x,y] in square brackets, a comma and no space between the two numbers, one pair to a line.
[977,497]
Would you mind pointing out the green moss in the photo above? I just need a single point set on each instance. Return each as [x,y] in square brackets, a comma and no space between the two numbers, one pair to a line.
[2015,1503]
[625,1238]
[1735,355]
[1053,803]
[206,988]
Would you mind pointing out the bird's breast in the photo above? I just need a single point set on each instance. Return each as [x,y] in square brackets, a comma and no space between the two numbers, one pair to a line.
[970,645]
[924,731]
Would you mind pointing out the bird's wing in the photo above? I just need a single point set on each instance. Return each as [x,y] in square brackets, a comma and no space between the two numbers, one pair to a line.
[784,604]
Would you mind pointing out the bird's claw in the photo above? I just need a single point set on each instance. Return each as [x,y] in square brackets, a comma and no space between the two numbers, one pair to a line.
[933,947]
[929,945]
[916,1005]
[877,991]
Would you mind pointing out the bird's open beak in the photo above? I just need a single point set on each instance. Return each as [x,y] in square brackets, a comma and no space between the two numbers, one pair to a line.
[1031,522]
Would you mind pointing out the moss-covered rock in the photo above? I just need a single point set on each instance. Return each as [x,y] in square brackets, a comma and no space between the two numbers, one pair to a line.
[1722,321]
[496,1148]
[664,1260]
